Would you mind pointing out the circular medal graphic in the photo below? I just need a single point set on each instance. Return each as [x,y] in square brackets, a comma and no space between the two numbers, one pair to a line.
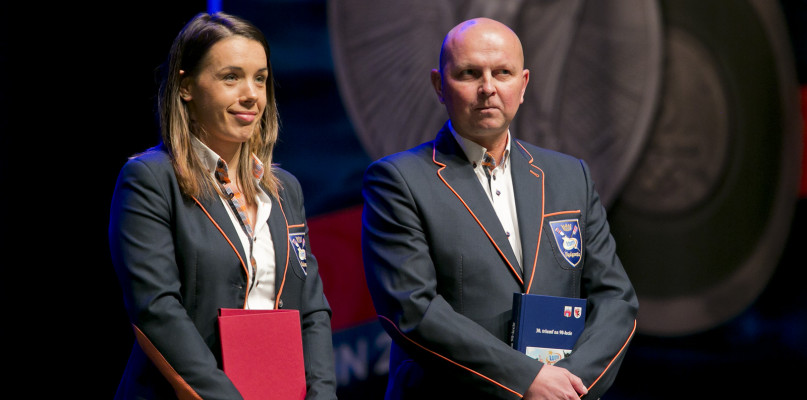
[685,110]
[595,74]
[702,221]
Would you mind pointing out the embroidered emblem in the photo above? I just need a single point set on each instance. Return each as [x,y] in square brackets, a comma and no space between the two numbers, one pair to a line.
[567,236]
[578,311]
[567,311]
[297,241]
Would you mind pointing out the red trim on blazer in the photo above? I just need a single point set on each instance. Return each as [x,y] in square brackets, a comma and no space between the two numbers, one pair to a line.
[449,360]
[182,389]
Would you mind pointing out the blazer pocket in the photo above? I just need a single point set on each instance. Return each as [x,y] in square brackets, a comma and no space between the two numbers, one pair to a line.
[564,233]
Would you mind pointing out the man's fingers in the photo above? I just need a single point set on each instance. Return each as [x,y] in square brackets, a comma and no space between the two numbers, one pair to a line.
[577,384]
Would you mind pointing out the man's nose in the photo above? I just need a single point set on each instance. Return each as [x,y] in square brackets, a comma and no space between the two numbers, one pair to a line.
[486,86]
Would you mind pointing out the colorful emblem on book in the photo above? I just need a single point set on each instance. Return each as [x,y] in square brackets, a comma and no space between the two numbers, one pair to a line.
[297,241]
[553,357]
[547,356]
[569,240]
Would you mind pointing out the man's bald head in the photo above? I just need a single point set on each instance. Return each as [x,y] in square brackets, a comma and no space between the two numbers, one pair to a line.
[478,26]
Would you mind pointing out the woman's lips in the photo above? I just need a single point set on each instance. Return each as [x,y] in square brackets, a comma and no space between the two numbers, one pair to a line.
[245,116]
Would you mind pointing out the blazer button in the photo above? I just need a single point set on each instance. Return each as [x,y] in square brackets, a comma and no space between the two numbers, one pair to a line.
[280,303]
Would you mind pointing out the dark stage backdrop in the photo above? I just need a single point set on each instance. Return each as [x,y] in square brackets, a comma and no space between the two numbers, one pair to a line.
[104,112]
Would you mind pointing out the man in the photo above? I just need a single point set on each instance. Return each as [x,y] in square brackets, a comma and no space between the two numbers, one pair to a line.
[452,228]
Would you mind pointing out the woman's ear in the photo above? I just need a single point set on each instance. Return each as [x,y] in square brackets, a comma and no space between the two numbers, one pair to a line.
[184,86]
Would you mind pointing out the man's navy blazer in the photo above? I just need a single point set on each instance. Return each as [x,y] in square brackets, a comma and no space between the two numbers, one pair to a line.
[179,260]
[442,273]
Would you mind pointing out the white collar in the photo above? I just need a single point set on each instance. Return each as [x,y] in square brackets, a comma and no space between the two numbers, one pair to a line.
[474,151]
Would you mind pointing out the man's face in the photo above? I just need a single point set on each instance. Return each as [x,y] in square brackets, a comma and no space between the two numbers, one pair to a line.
[483,79]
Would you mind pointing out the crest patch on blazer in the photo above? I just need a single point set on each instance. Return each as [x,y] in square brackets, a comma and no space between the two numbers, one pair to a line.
[297,241]
[569,240]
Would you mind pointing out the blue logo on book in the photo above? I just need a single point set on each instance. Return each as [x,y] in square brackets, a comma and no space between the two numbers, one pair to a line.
[567,236]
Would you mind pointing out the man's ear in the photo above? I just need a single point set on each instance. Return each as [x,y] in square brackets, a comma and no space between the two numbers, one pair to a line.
[437,83]
[184,86]
[526,77]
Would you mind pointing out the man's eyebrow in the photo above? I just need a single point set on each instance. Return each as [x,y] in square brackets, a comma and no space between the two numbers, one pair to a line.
[465,65]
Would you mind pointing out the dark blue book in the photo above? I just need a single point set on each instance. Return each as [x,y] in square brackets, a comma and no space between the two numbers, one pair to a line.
[546,327]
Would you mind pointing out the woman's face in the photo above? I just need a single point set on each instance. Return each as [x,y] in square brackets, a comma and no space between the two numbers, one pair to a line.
[227,96]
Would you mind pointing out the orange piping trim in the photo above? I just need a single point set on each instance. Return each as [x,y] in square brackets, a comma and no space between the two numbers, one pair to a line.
[536,255]
[286,268]
[296,226]
[244,266]
[541,224]
[540,233]
[562,212]
[182,389]
[615,356]
[442,167]
[449,360]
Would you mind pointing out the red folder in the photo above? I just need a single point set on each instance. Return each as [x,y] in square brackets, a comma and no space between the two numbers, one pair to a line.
[262,353]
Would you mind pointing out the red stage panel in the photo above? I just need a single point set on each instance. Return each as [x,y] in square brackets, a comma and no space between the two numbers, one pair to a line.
[336,243]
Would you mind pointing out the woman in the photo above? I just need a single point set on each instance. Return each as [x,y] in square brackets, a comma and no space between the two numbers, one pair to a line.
[204,221]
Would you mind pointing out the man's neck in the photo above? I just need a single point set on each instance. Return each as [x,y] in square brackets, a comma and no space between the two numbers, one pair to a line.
[495,144]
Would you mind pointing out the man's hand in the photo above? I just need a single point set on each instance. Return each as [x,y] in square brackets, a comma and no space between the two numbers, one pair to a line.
[555,383]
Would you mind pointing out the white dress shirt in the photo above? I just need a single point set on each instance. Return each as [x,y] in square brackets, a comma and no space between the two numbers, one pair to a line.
[262,289]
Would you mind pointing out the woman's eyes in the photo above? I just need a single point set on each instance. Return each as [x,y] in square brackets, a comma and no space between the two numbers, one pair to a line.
[260,79]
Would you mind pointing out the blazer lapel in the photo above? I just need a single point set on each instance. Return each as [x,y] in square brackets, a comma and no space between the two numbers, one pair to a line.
[215,209]
[278,226]
[456,172]
[528,185]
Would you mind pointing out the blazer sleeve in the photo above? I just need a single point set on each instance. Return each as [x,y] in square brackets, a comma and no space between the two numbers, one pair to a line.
[401,276]
[315,311]
[144,257]
[612,304]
